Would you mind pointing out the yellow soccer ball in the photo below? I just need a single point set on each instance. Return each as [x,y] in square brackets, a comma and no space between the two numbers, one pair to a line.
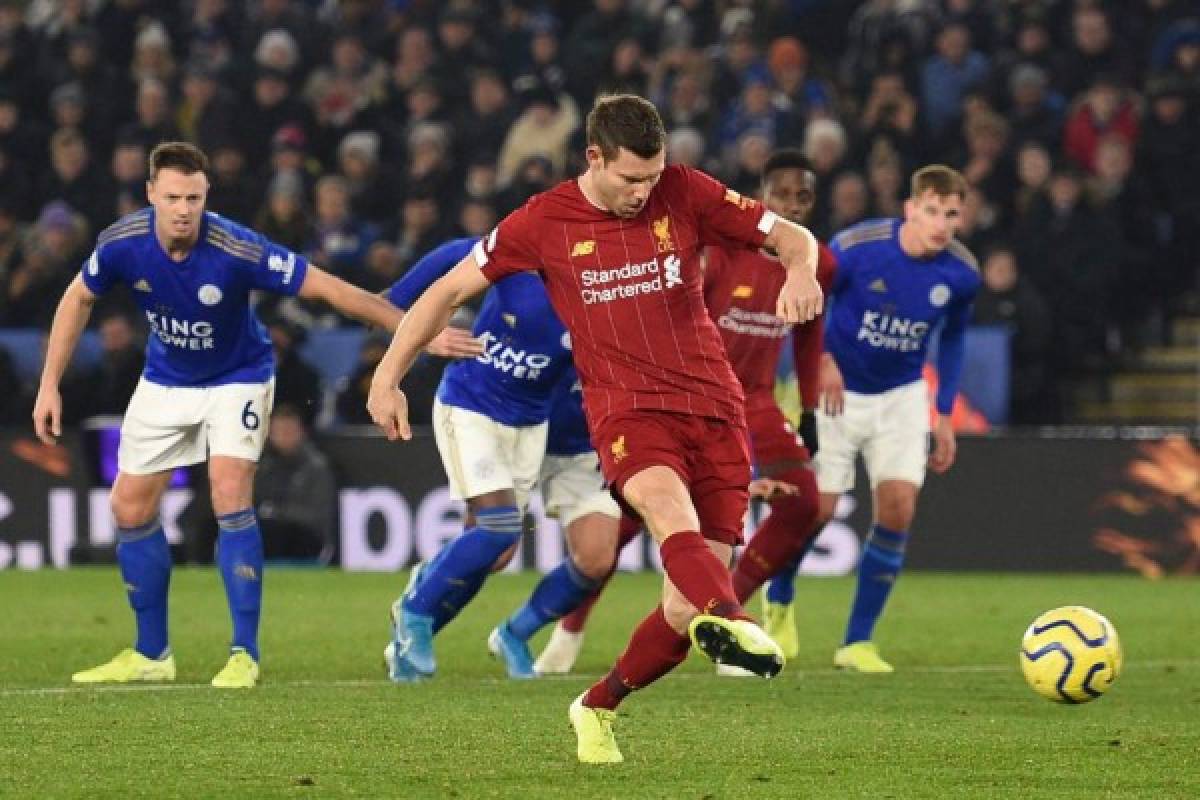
[1071,655]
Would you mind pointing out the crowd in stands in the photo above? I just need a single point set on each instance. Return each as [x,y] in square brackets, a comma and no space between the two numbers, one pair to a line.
[364,132]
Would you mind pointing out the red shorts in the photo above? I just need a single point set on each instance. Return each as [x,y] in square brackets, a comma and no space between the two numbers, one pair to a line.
[772,437]
[710,456]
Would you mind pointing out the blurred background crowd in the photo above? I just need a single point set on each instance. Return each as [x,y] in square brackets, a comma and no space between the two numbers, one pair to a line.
[364,132]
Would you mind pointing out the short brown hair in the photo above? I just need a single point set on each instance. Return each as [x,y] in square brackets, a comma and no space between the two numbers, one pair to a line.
[625,120]
[182,156]
[943,180]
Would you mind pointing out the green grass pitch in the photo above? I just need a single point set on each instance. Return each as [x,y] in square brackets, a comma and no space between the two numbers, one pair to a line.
[955,720]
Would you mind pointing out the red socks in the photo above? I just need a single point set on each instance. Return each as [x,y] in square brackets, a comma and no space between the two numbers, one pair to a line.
[781,537]
[699,575]
[654,650]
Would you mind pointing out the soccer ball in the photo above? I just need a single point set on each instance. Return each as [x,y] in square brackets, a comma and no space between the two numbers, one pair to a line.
[1071,655]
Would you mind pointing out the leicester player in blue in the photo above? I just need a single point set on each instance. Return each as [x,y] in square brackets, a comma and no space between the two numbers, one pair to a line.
[490,424]
[897,281]
[206,393]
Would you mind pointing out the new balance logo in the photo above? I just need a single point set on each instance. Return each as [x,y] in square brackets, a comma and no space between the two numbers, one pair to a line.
[878,285]
[509,319]
[743,292]
[584,248]
[142,285]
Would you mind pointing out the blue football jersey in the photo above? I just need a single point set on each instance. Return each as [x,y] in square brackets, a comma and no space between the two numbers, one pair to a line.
[568,434]
[526,349]
[203,330]
[886,303]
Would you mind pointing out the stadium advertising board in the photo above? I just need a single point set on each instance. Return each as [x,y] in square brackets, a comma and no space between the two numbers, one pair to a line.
[1083,503]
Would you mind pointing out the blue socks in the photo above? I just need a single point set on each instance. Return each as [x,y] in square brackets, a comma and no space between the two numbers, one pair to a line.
[240,559]
[559,593]
[458,571]
[882,559]
[145,560]
[782,586]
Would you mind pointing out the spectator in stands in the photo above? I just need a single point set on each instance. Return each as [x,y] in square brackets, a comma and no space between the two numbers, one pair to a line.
[890,114]
[484,124]
[295,492]
[462,52]
[420,227]
[1123,200]
[74,180]
[535,174]
[750,154]
[152,115]
[51,256]
[22,139]
[272,106]
[105,387]
[826,145]
[373,185]
[383,267]
[948,75]
[1034,114]
[1093,51]
[1169,161]
[1070,254]
[282,34]
[1105,110]
[297,383]
[686,146]
[152,58]
[1034,165]
[544,128]
[342,237]
[849,202]
[987,163]
[207,111]
[627,70]
[283,218]
[1007,298]
[885,179]
[687,105]
[477,217]
[981,221]
[591,41]
[430,165]
[797,91]
[69,108]
[340,93]
[233,191]
[545,56]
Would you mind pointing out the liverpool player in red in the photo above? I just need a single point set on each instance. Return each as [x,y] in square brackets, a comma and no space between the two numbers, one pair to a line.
[740,287]
[619,250]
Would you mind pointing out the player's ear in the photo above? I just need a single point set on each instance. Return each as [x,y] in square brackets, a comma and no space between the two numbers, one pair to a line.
[595,157]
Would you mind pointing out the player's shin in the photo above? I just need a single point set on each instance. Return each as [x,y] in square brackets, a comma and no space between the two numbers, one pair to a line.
[145,560]
[561,591]
[654,650]
[699,575]
[455,575]
[240,560]
[882,560]
[782,537]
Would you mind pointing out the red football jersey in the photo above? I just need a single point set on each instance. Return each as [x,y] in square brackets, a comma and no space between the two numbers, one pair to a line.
[740,289]
[630,291]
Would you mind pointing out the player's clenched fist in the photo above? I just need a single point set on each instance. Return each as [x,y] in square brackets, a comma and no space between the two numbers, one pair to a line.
[389,409]
[800,299]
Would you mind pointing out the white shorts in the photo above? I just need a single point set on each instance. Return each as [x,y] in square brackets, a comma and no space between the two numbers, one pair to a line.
[173,426]
[572,486]
[891,430]
[481,455]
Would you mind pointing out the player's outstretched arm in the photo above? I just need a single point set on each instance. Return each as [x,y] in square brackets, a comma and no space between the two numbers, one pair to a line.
[427,317]
[348,299]
[801,298]
[69,321]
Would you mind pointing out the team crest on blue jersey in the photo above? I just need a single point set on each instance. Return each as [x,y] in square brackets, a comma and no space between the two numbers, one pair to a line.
[939,295]
[142,285]
[209,295]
